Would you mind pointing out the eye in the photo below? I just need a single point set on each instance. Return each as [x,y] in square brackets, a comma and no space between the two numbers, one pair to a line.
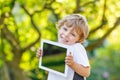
[65,28]
[73,34]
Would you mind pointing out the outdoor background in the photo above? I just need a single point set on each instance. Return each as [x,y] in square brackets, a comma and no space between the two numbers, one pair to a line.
[23,23]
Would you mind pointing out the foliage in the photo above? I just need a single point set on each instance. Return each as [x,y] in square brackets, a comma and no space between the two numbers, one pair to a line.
[24,23]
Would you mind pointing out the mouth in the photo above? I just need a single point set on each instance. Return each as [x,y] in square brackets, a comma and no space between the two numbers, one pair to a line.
[63,40]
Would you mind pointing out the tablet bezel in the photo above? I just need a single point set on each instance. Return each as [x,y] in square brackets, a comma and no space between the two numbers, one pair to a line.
[48,69]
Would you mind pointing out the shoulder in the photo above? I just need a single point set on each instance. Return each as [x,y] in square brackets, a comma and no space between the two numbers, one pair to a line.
[79,46]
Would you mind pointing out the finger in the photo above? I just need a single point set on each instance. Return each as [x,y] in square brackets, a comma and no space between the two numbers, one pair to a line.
[39,50]
[70,54]
[37,56]
[69,57]
[67,61]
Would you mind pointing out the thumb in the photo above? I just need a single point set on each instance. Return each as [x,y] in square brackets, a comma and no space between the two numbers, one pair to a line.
[70,54]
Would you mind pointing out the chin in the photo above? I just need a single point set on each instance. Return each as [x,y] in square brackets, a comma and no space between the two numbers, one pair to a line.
[63,42]
[66,43]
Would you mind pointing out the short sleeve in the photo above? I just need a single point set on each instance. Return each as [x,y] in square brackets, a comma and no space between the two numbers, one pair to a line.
[79,54]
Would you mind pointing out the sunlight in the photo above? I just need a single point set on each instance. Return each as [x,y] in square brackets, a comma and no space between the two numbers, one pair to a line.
[116,36]
[60,1]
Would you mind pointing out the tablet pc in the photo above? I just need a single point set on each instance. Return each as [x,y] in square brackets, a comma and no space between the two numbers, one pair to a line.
[53,57]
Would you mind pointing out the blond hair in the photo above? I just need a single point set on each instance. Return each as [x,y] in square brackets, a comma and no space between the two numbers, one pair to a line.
[78,22]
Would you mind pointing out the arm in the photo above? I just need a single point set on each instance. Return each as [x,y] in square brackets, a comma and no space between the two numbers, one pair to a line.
[78,68]
[83,71]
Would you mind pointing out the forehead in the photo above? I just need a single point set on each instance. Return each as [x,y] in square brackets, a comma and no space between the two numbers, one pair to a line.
[73,29]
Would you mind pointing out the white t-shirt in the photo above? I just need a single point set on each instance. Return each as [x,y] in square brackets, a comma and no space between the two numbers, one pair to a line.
[79,56]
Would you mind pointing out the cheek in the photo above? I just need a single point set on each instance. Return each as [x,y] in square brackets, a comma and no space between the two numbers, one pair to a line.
[59,31]
[74,40]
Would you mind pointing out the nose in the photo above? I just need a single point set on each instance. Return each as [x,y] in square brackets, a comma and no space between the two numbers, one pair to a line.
[66,34]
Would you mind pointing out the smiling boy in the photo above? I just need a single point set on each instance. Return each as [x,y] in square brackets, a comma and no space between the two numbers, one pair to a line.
[72,31]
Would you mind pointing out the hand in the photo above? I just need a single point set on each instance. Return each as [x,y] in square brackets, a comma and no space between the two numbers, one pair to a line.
[39,53]
[69,60]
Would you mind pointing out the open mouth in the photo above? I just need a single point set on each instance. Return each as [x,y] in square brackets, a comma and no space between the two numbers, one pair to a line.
[64,40]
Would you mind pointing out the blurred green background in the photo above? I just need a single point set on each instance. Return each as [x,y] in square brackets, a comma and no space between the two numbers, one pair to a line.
[24,23]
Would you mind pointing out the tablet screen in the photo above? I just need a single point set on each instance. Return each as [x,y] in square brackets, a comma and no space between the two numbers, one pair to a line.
[53,58]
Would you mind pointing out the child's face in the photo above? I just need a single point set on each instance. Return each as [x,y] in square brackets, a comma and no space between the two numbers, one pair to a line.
[67,35]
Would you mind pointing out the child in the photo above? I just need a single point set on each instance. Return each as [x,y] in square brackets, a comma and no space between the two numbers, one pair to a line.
[72,31]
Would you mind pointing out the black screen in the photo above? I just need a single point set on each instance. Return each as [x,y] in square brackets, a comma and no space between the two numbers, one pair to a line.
[54,57]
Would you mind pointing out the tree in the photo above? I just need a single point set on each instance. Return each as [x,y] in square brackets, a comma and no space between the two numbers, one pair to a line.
[36,16]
